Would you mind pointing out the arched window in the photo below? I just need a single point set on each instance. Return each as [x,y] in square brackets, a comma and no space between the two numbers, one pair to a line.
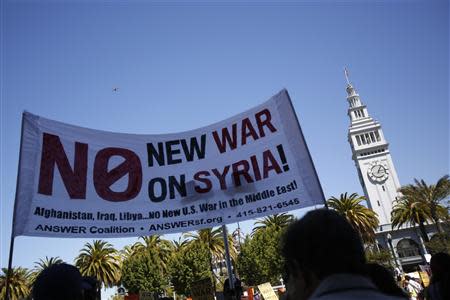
[407,248]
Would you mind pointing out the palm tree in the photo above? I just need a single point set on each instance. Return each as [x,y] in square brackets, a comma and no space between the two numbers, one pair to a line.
[408,210]
[213,239]
[180,244]
[19,285]
[276,221]
[100,260]
[43,264]
[126,252]
[154,244]
[363,219]
[432,195]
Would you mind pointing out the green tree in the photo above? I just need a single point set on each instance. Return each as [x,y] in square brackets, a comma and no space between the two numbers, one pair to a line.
[431,195]
[188,265]
[210,237]
[154,244]
[382,257]
[440,242]
[276,221]
[43,264]
[144,272]
[100,260]
[126,252]
[179,245]
[260,258]
[213,239]
[410,210]
[19,285]
[363,219]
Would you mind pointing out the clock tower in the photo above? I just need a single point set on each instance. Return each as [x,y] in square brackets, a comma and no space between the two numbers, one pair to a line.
[370,152]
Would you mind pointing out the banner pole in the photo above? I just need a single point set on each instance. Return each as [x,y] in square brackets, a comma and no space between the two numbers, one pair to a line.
[9,270]
[11,246]
[307,150]
[227,257]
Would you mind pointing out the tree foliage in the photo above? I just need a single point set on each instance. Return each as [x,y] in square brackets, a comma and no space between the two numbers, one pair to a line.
[440,242]
[190,264]
[43,264]
[408,210]
[260,258]
[425,202]
[382,257]
[156,245]
[362,219]
[19,285]
[276,221]
[213,239]
[100,260]
[144,272]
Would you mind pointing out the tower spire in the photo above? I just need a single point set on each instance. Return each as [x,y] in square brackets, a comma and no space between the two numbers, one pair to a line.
[346,75]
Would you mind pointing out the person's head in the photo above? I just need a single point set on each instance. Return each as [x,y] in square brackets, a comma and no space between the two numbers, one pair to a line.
[440,265]
[59,281]
[318,245]
[383,280]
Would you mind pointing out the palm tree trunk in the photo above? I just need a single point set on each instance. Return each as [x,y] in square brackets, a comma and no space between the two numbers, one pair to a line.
[212,271]
[423,232]
[436,220]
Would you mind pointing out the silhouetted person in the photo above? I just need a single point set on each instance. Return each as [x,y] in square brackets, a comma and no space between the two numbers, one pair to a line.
[325,260]
[439,288]
[236,292]
[60,281]
[91,288]
[384,280]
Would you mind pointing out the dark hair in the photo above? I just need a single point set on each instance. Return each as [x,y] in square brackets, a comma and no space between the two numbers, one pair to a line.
[59,281]
[91,288]
[323,243]
[440,265]
[384,280]
[440,271]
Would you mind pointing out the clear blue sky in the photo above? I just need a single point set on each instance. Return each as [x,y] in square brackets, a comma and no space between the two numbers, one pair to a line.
[183,65]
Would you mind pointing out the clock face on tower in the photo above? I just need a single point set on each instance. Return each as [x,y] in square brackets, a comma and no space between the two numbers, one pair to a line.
[378,172]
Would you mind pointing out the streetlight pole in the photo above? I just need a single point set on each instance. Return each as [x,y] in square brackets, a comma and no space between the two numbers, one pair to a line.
[394,256]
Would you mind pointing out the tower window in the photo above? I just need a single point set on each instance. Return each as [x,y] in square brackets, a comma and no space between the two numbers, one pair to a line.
[362,113]
[377,136]
[367,138]
[378,202]
[372,137]
[363,139]
[384,190]
[358,140]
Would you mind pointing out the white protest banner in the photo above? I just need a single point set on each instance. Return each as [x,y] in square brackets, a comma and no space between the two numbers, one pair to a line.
[79,182]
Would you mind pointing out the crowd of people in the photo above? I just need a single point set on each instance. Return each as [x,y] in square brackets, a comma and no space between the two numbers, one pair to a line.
[324,260]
